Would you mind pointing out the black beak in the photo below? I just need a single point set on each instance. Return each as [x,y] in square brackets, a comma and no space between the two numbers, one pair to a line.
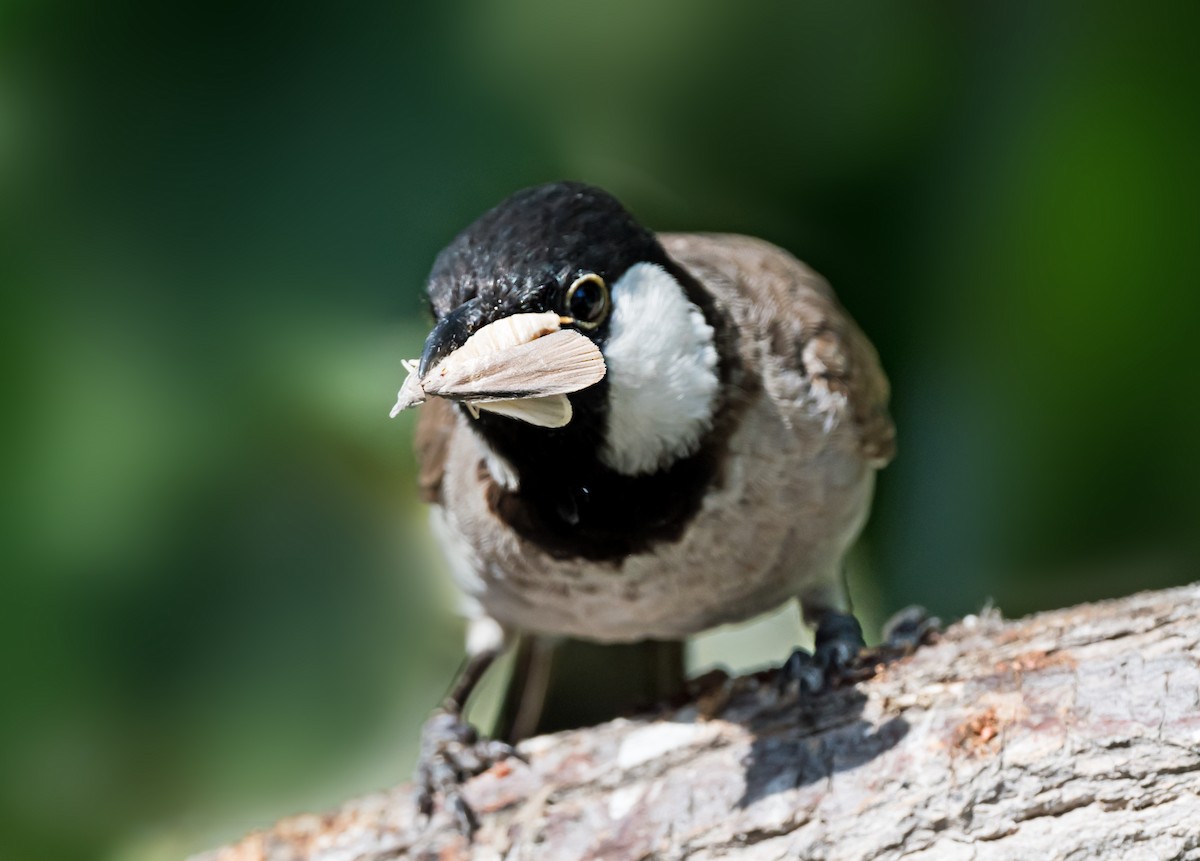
[451,332]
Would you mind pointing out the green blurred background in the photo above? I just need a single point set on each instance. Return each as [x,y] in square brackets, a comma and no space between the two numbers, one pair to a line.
[218,603]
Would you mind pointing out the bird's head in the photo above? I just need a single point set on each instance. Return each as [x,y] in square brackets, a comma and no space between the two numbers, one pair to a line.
[570,337]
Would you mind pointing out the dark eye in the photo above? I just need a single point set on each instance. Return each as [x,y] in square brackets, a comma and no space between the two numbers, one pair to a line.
[587,300]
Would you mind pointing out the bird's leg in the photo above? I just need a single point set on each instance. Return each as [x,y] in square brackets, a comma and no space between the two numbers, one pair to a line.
[453,751]
[838,641]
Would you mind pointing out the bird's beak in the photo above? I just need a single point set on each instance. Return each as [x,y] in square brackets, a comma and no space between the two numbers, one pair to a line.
[522,366]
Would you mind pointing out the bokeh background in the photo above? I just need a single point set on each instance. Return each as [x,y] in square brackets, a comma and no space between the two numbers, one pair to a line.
[218,604]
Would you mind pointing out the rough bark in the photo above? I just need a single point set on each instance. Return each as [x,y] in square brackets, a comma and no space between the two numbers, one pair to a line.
[1073,734]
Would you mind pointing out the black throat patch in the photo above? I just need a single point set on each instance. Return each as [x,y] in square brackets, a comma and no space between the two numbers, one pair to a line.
[571,505]
[578,508]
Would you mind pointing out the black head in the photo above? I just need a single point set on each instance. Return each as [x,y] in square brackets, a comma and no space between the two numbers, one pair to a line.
[524,254]
[524,257]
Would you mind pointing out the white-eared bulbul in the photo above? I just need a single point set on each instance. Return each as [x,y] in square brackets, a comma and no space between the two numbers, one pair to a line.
[633,436]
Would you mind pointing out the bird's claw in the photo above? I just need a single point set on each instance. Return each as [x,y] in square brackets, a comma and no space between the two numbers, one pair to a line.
[802,671]
[909,629]
[452,752]
[833,661]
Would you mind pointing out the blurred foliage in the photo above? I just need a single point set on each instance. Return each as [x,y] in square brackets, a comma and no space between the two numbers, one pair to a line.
[218,603]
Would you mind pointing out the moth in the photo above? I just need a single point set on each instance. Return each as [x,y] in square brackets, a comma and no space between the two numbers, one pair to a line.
[522,366]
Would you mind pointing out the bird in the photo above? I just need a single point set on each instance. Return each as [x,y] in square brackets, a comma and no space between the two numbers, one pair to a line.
[632,437]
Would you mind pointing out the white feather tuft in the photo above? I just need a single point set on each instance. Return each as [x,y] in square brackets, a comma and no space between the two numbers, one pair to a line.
[662,373]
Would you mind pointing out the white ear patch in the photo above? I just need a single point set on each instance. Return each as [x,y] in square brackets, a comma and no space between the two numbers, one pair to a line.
[662,373]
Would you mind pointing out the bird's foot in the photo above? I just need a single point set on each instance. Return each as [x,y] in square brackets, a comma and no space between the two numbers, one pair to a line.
[840,656]
[452,751]
[903,634]
[909,629]
[833,660]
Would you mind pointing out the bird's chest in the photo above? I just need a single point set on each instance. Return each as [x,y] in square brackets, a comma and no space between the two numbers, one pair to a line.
[779,515]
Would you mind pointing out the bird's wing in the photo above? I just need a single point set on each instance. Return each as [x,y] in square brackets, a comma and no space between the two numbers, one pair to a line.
[435,427]
[801,336]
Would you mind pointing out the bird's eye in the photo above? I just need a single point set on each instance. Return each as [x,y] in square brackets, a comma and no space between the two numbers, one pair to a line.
[587,300]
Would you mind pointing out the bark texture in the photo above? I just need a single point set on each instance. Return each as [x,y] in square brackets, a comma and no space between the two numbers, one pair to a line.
[1073,734]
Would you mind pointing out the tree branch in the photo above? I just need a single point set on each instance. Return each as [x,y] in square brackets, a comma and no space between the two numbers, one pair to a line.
[1070,734]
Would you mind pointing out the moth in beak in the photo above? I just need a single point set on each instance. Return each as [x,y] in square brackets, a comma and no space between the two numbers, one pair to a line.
[522,366]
